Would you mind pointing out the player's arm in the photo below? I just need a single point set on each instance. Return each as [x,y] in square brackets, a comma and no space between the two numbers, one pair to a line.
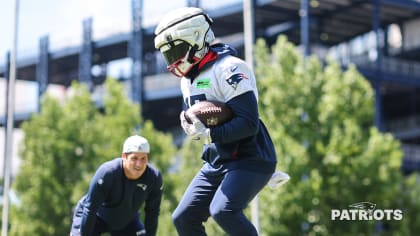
[244,123]
[95,197]
[152,207]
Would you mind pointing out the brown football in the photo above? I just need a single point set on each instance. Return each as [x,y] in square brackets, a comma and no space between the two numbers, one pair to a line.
[211,113]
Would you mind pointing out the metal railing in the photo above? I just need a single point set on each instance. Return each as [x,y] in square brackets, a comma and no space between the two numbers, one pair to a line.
[404,124]
[388,64]
[411,159]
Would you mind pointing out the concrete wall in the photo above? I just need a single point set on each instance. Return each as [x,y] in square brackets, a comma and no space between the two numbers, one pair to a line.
[411,34]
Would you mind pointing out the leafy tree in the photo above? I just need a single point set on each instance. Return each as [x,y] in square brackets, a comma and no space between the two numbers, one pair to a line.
[62,147]
[320,119]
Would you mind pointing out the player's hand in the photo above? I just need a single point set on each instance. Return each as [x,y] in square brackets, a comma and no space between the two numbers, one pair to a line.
[197,130]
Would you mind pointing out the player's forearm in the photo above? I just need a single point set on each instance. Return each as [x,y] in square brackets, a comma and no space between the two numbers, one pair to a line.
[151,223]
[245,122]
[152,208]
[93,200]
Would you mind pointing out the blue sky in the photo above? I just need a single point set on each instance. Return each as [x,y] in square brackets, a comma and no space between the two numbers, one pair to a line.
[62,20]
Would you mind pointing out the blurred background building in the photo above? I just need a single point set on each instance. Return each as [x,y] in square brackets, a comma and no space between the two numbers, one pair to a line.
[381,37]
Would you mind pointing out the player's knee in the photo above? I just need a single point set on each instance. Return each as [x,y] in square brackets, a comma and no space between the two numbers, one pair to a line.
[179,218]
[219,215]
[176,218]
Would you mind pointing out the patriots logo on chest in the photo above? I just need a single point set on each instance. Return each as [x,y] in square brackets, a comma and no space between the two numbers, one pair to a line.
[142,186]
[235,79]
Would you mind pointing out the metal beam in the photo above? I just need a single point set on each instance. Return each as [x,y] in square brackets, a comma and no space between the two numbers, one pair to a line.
[304,27]
[42,68]
[371,74]
[355,4]
[411,133]
[409,4]
[275,30]
[8,160]
[378,81]
[135,51]
[249,37]
[6,76]
[85,56]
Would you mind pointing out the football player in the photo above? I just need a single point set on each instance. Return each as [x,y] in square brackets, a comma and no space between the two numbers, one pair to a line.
[117,191]
[239,157]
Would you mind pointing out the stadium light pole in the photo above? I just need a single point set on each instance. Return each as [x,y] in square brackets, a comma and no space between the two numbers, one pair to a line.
[10,125]
[249,40]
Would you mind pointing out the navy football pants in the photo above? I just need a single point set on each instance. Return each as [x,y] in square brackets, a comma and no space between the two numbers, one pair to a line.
[221,195]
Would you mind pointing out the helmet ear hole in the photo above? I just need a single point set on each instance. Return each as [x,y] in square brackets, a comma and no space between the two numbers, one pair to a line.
[197,35]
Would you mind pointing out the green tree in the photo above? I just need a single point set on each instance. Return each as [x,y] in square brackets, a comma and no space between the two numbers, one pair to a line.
[62,147]
[320,119]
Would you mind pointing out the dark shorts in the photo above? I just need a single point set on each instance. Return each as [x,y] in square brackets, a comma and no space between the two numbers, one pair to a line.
[134,228]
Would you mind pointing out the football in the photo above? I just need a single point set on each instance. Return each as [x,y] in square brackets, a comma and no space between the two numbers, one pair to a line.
[211,113]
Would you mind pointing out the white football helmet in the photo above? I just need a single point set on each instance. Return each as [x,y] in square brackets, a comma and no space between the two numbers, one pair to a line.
[183,37]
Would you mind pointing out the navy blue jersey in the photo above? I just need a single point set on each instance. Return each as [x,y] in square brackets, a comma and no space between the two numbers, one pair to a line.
[243,142]
[116,200]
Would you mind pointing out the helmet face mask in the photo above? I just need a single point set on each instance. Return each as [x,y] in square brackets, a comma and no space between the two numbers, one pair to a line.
[183,37]
[178,57]
[174,53]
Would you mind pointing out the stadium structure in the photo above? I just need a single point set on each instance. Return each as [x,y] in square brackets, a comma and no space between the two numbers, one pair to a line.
[381,37]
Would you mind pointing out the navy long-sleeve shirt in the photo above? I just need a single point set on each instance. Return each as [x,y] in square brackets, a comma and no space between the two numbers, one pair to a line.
[117,200]
[244,138]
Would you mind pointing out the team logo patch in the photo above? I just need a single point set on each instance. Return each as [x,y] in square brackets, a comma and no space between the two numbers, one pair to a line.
[203,83]
[235,79]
